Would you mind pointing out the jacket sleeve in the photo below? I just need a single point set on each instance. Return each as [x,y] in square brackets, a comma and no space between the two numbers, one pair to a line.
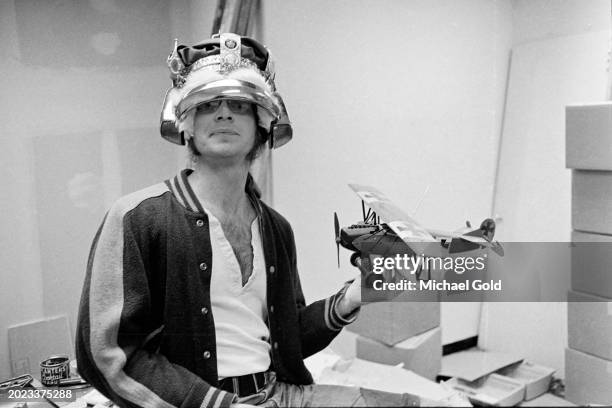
[116,324]
[320,321]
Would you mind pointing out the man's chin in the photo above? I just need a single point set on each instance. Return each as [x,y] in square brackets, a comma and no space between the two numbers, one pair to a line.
[228,153]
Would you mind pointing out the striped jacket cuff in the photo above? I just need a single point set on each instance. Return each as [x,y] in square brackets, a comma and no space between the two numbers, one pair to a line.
[216,398]
[333,319]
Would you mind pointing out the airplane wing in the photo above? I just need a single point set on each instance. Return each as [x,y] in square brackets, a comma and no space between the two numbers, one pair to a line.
[415,236]
[476,240]
[456,234]
[447,234]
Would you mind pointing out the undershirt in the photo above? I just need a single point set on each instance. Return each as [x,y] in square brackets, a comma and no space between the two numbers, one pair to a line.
[240,312]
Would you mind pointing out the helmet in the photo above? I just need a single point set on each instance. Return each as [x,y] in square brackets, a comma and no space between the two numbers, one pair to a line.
[227,66]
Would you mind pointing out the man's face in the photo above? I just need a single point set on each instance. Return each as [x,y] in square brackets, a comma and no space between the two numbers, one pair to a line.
[225,129]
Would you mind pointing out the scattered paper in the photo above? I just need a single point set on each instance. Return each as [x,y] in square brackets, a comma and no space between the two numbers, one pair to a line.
[470,365]
[329,368]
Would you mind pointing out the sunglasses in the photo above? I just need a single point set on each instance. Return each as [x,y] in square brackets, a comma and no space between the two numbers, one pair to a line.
[234,105]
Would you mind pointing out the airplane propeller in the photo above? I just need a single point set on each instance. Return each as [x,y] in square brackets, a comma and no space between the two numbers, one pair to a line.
[337,236]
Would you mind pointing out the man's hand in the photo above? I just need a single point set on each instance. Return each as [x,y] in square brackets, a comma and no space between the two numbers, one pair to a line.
[363,284]
[351,299]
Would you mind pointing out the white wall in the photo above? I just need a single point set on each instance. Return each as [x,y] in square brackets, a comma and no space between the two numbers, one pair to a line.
[536,20]
[560,57]
[402,95]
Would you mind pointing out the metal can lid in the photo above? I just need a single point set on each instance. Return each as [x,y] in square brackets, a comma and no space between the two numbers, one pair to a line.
[55,361]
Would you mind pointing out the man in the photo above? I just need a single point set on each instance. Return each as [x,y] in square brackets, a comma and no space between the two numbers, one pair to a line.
[192,296]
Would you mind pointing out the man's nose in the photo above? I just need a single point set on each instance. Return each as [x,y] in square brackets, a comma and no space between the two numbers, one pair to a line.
[223,112]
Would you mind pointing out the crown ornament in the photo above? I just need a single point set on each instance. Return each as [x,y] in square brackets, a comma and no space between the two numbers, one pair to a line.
[227,60]
[176,66]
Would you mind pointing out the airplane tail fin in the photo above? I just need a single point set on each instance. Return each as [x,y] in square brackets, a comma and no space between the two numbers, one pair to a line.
[486,230]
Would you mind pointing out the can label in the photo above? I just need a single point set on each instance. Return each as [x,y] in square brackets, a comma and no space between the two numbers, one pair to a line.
[53,369]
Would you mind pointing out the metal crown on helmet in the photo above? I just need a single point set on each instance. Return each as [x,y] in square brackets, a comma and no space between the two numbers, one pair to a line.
[228,66]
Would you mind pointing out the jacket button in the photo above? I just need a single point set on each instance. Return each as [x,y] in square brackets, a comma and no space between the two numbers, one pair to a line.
[272,269]
[204,311]
[272,309]
[206,355]
[199,223]
[203,266]
[275,345]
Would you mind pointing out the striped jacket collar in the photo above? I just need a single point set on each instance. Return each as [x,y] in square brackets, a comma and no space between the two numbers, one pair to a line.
[181,189]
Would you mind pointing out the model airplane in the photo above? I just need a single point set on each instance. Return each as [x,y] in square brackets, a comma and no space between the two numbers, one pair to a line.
[400,234]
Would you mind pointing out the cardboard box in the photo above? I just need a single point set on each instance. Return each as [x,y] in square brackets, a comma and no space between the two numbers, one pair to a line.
[592,263]
[588,379]
[591,201]
[536,378]
[547,400]
[421,354]
[589,324]
[494,390]
[588,136]
[392,322]
[32,342]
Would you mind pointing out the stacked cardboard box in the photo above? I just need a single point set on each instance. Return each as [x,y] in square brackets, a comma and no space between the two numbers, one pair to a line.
[400,332]
[495,378]
[588,359]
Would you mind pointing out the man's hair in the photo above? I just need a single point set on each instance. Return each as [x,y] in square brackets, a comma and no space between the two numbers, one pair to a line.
[186,126]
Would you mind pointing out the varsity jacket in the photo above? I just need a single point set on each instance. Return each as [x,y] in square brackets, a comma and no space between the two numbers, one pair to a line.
[146,331]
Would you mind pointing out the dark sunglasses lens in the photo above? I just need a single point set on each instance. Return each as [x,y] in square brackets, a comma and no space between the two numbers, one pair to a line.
[209,107]
[233,105]
[238,106]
